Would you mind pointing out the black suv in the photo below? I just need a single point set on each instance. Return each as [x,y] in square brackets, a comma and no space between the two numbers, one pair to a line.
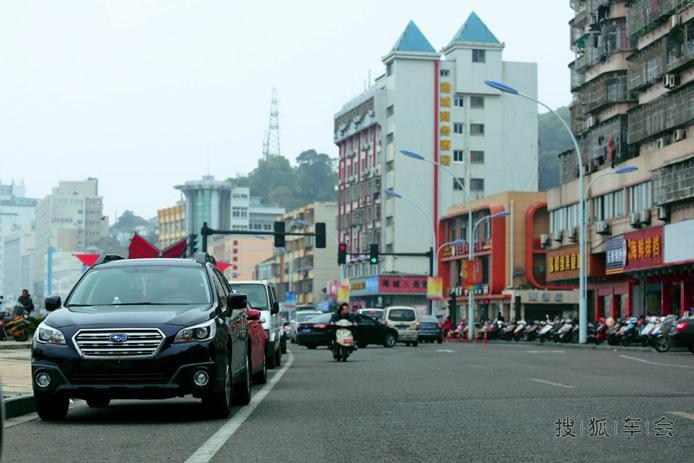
[143,329]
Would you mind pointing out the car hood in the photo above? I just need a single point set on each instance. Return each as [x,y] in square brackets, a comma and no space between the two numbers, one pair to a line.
[183,315]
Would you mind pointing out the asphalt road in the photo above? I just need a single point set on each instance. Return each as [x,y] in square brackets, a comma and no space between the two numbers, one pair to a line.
[430,403]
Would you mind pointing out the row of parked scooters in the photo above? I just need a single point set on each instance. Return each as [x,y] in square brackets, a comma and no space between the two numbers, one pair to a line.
[645,331]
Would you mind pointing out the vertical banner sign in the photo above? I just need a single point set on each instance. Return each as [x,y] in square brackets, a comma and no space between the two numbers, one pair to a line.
[445,122]
[471,272]
[435,288]
[343,292]
[615,255]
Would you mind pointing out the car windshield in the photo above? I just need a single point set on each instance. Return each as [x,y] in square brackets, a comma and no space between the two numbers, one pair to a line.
[428,319]
[402,315]
[142,284]
[323,318]
[304,316]
[377,314]
[256,294]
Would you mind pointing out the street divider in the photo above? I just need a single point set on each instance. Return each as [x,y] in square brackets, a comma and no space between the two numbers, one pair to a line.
[19,405]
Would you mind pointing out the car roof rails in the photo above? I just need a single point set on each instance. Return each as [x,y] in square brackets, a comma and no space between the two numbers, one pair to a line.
[203,257]
[106,258]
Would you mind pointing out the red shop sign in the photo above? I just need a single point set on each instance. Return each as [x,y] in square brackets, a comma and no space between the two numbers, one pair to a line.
[644,248]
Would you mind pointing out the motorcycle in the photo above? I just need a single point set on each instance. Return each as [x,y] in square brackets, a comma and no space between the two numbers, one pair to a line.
[615,334]
[661,335]
[630,331]
[519,330]
[532,330]
[601,331]
[343,345]
[547,332]
[649,326]
[15,325]
[564,333]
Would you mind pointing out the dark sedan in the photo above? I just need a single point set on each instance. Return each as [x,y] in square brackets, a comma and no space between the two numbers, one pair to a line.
[429,329]
[683,334]
[318,332]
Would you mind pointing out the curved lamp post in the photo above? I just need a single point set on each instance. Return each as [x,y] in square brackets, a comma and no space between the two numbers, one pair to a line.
[582,307]
[471,293]
[390,192]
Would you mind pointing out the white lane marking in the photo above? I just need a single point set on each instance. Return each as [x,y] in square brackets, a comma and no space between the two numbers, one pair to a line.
[655,363]
[479,367]
[683,415]
[444,350]
[551,383]
[210,448]
[20,419]
[545,351]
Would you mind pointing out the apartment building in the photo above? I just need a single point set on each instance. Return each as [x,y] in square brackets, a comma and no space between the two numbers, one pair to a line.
[15,209]
[171,224]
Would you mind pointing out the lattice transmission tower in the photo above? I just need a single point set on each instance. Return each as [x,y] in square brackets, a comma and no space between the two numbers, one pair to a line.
[271,144]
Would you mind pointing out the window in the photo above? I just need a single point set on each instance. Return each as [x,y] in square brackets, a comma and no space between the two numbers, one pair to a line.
[389,110]
[477,157]
[389,138]
[458,128]
[640,197]
[389,69]
[444,72]
[476,129]
[458,184]
[459,101]
[389,166]
[389,221]
[477,184]
[458,156]
[477,101]
[479,56]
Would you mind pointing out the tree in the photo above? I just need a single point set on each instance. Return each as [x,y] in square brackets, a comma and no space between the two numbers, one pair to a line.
[553,140]
[316,177]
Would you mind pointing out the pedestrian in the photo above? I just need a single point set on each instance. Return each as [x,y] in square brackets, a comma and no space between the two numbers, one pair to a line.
[26,302]
[447,325]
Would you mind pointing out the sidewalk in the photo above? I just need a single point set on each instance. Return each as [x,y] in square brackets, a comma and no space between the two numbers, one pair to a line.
[10,345]
[15,371]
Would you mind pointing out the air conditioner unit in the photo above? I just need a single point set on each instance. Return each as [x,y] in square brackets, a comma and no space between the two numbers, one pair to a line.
[602,228]
[558,236]
[590,122]
[675,20]
[573,234]
[680,134]
[645,217]
[670,81]
[661,143]
[589,167]
[545,241]
[664,213]
[634,220]
[595,163]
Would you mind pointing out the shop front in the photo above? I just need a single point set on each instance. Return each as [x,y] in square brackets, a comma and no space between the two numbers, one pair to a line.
[381,291]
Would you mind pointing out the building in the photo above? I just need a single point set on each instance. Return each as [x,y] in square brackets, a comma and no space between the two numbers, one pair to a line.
[511,258]
[633,106]
[207,200]
[15,209]
[69,220]
[243,253]
[18,247]
[300,271]
[436,104]
[171,224]
[248,212]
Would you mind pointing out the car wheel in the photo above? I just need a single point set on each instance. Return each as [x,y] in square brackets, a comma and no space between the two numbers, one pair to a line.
[283,346]
[407,343]
[218,403]
[21,337]
[278,358]
[414,344]
[311,346]
[439,340]
[389,340]
[242,389]
[52,407]
[271,360]
[691,349]
[98,402]
[261,376]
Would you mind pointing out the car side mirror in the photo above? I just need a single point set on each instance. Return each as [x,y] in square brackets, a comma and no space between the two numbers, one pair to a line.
[52,303]
[275,308]
[237,301]
[254,314]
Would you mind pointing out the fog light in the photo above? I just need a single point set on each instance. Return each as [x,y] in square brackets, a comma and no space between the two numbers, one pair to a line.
[201,378]
[43,379]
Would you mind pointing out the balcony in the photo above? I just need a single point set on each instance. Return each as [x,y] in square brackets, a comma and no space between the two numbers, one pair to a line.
[679,55]
[668,112]
[645,15]
[674,182]
[647,66]
[577,78]
[605,90]
[606,142]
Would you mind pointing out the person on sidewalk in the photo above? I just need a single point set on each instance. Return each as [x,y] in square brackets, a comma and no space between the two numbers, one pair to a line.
[447,325]
[26,302]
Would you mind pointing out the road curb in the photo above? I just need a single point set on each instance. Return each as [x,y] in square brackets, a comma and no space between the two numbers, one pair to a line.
[579,346]
[19,405]
[13,346]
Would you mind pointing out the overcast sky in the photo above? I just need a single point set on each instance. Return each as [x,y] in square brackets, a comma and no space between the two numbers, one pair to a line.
[141,93]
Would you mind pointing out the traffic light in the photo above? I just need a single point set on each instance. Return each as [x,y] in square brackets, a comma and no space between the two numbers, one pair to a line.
[279,234]
[192,244]
[453,308]
[373,254]
[320,235]
[486,303]
[341,254]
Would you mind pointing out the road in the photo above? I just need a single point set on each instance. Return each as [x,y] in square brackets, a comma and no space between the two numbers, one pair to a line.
[449,402]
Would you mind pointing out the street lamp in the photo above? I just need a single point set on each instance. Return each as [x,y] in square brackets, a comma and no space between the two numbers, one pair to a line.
[450,243]
[394,194]
[582,306]
[419,157]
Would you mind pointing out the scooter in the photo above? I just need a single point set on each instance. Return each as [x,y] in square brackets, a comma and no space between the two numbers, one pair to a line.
[630,331]
[615,334]
[344,340]
[601,331]
[531,331]
[661,335]
[519,330]
[563,334]
[547,332]
[15,325]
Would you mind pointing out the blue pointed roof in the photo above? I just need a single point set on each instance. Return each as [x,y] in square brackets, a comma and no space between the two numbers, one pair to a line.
[412,39]
[474,30]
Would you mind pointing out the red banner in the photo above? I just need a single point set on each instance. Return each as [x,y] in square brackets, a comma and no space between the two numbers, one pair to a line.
[644,248]
[471,272]
[177,249]
[140,248]
[87,259]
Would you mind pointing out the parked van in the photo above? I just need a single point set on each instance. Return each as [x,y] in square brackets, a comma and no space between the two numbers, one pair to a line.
[404,320]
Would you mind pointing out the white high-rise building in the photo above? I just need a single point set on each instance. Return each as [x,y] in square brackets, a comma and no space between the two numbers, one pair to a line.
[437,105]
[15,209]
[18,247]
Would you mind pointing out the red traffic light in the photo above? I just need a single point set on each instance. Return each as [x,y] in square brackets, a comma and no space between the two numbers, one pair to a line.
[486,302]
[343,247]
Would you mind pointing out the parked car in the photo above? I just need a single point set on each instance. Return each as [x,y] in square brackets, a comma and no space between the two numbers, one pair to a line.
[285,317]
[683,334]
[300,317]
[404,320]
[430,329]
[258,345]
[374,313]
[262,296]
[143,329]
[314,331]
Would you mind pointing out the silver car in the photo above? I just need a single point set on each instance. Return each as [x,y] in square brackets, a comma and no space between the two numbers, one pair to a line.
[301,316]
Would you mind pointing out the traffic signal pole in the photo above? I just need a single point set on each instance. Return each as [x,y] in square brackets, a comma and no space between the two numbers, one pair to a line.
[206,231]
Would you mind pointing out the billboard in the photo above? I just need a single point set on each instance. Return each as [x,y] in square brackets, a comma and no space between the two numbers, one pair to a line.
[679,242]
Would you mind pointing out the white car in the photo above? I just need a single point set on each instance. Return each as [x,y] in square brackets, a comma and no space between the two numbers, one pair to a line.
[262,296]
[301,316]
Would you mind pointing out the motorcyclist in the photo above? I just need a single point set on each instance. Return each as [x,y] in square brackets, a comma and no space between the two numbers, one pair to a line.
[343,313]
[26,302]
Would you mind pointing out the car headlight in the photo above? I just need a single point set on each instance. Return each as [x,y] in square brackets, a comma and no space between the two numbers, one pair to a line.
[201,332]
[48,335]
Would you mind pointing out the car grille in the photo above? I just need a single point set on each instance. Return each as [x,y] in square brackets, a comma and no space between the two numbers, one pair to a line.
[140,343]
[118,378]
